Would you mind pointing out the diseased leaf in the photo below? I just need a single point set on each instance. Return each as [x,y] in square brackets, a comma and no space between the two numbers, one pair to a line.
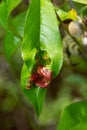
[34,95]
[74,116]
[41,41]
[50,39]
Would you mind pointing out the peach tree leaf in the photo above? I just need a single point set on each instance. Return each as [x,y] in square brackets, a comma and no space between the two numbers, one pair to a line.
[41,33]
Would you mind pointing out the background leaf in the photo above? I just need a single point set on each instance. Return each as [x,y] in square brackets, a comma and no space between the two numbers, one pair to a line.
[5,9]
[81,1]
[12,42]
[73,115]
[81,126]
[11,4]
[3,15]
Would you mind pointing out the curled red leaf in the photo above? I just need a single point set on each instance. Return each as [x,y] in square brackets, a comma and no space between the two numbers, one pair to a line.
[33,77]
[41,77]
[43,71]
[42,82]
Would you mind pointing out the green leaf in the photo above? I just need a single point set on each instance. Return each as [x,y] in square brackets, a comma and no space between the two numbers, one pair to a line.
[41,33]
[74,116]
[5,9]
[40,98]
[12,42]
[81,1]
[61,13]
[50,39]
[31,33]
[3,14]
[18,23]
[72,14]
[11,4]
[81,126]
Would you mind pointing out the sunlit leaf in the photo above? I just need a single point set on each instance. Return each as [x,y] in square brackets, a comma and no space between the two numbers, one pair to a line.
[72,14]
[63,15]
